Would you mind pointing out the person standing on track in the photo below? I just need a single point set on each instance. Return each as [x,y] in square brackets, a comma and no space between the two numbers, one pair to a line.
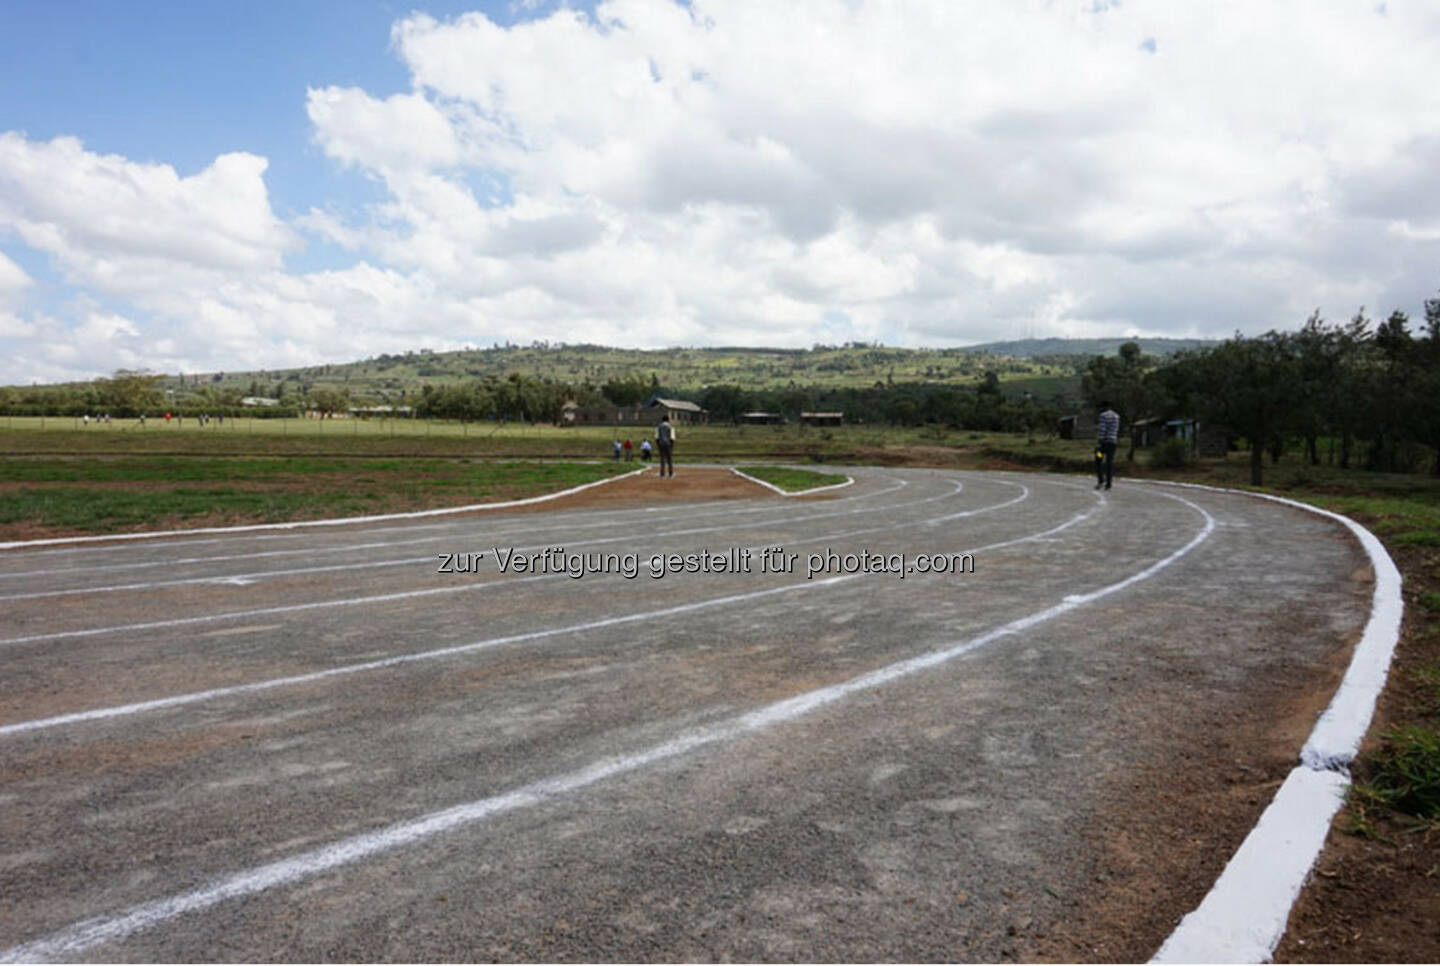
[665,440]
[1106,437]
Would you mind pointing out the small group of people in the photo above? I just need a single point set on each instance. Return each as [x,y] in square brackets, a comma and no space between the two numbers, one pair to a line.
[625,449]
[664,444]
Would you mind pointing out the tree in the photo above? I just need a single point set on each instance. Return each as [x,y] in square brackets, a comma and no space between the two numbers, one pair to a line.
[1393,396]
[130,392]
[329,401]
[1428,350]
[1120,381]
[1247,386]
[626,391]
[726,403]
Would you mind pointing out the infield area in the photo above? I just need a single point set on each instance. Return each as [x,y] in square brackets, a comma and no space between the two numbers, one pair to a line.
[312,744]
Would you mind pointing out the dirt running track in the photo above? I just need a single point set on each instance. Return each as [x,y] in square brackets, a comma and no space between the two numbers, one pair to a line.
[310,745]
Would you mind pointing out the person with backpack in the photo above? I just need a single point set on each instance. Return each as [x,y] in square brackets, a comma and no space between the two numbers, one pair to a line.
[665,440]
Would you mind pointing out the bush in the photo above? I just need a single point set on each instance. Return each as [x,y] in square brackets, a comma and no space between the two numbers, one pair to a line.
[1404,772]
[1173,454]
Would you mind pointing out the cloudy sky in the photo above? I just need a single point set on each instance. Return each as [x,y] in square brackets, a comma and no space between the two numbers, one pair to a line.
[199,185]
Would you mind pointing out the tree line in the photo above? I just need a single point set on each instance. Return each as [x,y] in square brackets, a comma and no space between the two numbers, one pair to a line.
[1356,393]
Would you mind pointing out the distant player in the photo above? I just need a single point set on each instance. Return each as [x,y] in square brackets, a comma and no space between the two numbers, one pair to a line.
[1106,437]
[665,441]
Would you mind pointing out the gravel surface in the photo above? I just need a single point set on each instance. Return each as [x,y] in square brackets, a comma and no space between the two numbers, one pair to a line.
[362,758]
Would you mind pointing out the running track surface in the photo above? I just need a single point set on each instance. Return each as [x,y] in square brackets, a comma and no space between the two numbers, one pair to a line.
[310,745]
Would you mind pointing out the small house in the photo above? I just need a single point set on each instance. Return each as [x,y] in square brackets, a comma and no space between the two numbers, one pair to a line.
[822,419]
[761,419]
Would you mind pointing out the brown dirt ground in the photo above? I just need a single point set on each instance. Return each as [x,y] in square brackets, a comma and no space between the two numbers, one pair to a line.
[1376,898]
[1163,831]
[688,485]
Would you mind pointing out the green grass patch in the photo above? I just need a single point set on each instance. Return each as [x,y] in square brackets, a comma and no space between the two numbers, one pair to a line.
[135,493]
[1403,773]
[794,481]
[100,511]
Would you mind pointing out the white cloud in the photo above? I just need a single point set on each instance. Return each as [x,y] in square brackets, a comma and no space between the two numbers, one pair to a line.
[14,327]
[401,133]
[12,278]
[660,173]
[99,213]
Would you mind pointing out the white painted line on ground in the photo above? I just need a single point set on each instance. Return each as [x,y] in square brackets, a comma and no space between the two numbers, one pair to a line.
[196,697]
[1246,910]
[244,580]
[67,943]
[236,614]
[257,576]
[182,538]
[200,696]
[1244,915]
[771,486]
[218,558]
[296,524]
[730,510]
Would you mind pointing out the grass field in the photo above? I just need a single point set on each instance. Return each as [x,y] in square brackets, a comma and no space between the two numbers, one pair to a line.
[51,496]
[22,436]
[793,480]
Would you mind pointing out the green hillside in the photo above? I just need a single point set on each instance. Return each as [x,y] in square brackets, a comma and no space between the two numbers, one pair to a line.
[1040,348]
[684,371]
[1043,371]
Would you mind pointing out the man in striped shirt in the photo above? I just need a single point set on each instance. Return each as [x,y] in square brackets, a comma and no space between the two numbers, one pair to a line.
[1106,438]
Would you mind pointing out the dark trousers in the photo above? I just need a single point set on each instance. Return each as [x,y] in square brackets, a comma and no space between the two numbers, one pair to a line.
[1104,463]
[667,458]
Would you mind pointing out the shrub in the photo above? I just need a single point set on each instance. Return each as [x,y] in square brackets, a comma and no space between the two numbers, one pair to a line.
[1173,454]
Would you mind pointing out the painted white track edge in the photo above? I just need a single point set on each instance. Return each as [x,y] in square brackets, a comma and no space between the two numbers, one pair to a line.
[296,524]
[771,486]
[1244,916]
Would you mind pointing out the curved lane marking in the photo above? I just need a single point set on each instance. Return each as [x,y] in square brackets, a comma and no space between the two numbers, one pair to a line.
[257,576]
[396,660]
[771,486]
[402,595]
[67,943]
[449,534]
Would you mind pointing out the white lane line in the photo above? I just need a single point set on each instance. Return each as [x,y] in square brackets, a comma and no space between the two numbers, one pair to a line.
[404,595]
[68,943]
[199,696]
[181,538]
[265,575]
[235,614]
[256,576]
[337,522]
[219,579]
[451,533]
[219,558]
[771,486]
